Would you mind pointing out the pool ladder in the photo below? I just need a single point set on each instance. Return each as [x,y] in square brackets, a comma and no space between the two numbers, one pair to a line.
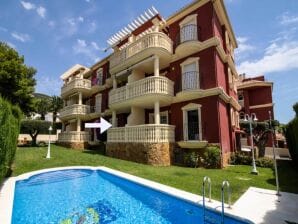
[207,219]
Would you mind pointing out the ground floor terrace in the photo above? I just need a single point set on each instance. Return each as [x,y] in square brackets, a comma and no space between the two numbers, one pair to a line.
[152,133]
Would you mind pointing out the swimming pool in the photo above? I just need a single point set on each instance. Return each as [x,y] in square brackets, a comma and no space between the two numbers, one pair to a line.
[85,196]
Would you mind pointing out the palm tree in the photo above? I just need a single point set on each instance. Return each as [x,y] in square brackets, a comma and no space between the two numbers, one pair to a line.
[56,105]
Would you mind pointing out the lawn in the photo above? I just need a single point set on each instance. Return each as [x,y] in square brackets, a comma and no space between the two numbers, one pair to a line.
[188,179]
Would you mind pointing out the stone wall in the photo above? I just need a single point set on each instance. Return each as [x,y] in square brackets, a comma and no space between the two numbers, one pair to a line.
[157,154]
[74,145]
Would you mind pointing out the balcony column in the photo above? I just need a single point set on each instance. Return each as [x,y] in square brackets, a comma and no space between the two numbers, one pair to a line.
[114,83]
[114,118]
[156,113]
[78,125]
[156,66]
[80,98]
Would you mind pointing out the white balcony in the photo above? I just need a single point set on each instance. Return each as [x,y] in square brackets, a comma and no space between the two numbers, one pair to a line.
[76,85]
[155,43]
[241,103]
[148,133]
[74,136]
[142,93]
[74,111]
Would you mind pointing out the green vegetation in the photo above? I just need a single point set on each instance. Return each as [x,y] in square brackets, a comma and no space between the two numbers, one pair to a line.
[16,79]
[291,131]
[212,157]
[261,132]
[35,127]
[188,179]
[10,117]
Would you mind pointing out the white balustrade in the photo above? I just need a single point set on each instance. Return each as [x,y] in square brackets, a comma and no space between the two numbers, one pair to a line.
[73,136]
[75,109]
[154,39]
[148,133]
[76,83]
[190,80]
[150,85]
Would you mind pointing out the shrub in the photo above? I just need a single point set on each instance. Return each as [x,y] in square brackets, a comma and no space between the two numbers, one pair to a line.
[291,132]
[265,162]
[212,158]
[243,159]
[10,117]
[191,159]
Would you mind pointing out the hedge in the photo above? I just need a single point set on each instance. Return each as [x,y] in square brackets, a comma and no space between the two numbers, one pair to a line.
[292,139]
[10,118]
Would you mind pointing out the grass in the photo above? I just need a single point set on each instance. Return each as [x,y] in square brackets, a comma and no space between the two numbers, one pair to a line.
[188,179]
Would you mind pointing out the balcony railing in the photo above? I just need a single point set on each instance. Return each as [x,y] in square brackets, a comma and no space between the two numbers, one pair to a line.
[75,109]
[148,133]
[156,39]
[241,102]
[150,85]
[74,136]
[190,80]
[77,83]
[188,33]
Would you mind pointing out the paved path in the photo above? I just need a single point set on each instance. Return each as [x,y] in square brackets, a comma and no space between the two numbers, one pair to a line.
[264,206]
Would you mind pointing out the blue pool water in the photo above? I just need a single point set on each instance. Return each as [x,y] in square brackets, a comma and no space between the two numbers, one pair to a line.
[87,196]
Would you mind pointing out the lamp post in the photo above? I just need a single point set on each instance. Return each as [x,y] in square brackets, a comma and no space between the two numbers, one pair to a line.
[49,145]
[250,119]
[274,155]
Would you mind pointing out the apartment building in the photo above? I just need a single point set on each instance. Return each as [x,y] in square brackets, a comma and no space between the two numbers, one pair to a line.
[169,85]
[254,97]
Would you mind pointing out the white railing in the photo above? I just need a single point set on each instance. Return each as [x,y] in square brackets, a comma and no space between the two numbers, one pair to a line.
[154,39]
[241,102]
[74,136]
[190,80]
[143,133]
[76,83]
[75,109]
[150,85]
[188,33]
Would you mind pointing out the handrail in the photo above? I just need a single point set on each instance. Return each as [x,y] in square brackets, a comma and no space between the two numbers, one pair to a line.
[208,180]
[227,184]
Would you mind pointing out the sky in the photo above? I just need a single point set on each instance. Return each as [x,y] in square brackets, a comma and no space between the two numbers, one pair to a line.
[54,35]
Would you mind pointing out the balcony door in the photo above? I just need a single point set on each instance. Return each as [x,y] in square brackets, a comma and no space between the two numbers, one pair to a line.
[98,103]
[188,29]
[192,122]
[193,125]
[190,74]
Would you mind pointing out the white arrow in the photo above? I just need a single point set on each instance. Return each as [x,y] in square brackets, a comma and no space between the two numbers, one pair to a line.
[103,125]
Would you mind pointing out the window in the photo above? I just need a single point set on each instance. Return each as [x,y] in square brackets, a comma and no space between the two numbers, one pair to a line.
[190,74]
[241,115]
[163,117]
[192,126]
[99,76]
[188,29]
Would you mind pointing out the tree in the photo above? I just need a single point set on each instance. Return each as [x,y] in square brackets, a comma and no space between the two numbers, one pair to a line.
[56,105]
[34,127]
[42,107]
[261,131]
[16,79]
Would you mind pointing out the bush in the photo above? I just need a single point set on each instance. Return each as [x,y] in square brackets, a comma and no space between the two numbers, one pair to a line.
[191,159]
[212,158]
[10,117]
[243,159]
[292,139]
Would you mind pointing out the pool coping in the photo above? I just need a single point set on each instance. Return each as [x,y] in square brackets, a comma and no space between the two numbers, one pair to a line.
[8,189]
